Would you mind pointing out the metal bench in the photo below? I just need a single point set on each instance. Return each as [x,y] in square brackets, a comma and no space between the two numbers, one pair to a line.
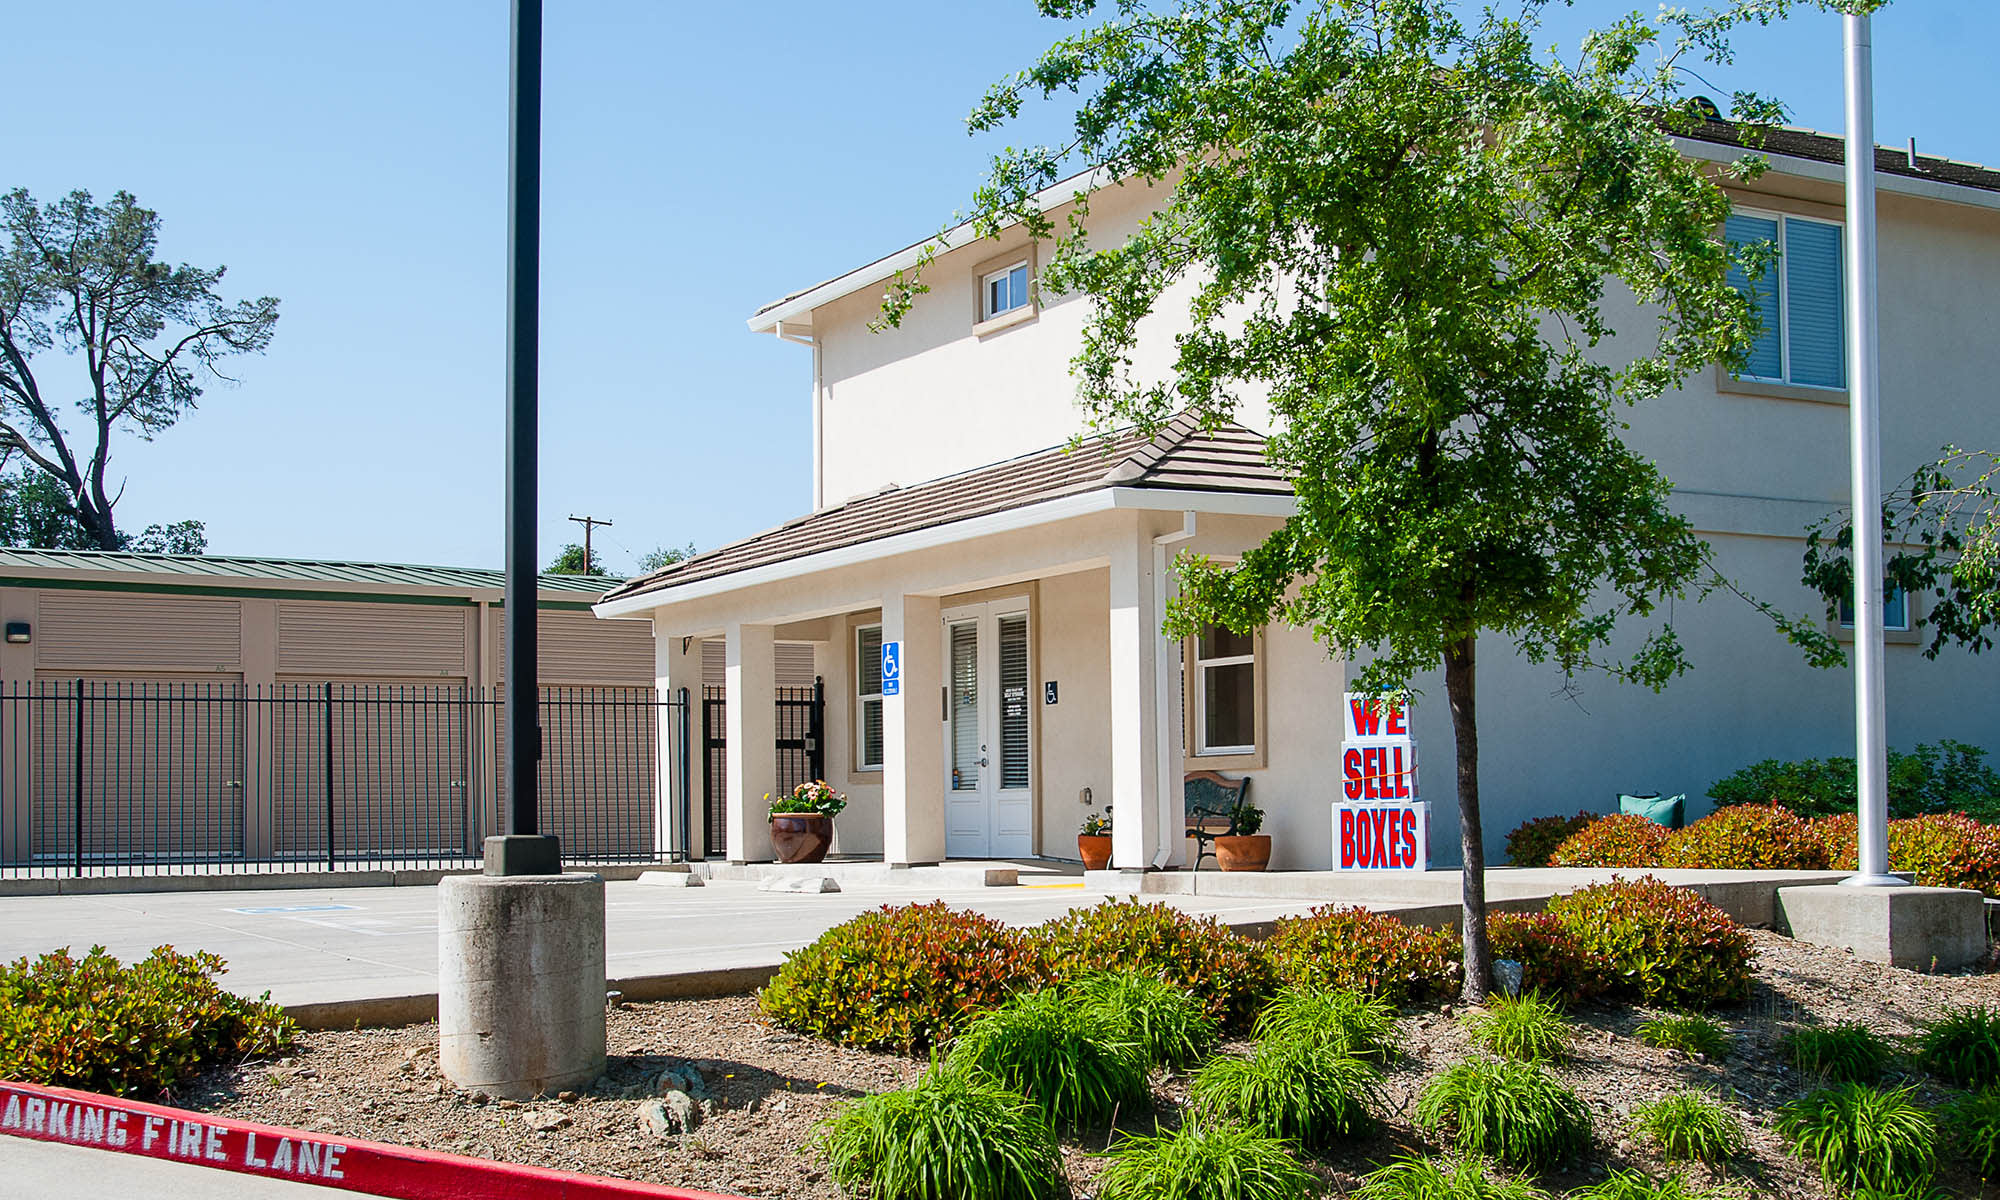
[1210,804]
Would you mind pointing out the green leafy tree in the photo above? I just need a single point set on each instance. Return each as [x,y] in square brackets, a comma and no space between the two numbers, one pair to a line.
[81,286]
[662,557]
[570,561]
[1942,529]
[1400,221]
[34,512]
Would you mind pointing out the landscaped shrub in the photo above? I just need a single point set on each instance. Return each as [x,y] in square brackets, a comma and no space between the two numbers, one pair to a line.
[1687,1033]
[1972,1124]
[1619,840]
[1202,1161]
[1169,1026]
[1863,1137]
[1665,945]
[1747,837]
[1940,851]
[1552,961]
[1425,1179]
[1525,1028]
[1690,1125]
[1850,1052]
[1963,1046]
[1230,975]
[1635,1185]
[1343,1020]
[1512,1112]
[95,1024]
[1344,947]
[1533,841]
[1947,777]
[901,977]
[1051,1051]
[1303,1090]
[955,1135]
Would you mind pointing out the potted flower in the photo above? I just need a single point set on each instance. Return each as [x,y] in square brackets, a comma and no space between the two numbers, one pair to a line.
[1093,841]
[1246,849]
[802,823]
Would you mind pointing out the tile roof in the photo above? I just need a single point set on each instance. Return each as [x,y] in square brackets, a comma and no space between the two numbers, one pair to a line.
[1793,142]
[216,568]
[1181,456]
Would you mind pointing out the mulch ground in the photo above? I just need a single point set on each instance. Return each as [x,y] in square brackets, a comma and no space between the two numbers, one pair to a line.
[769,1089]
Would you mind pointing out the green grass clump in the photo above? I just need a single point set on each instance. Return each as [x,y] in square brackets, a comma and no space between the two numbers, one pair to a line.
[1513,1112]
[1074,1068]
[1168,1024]
[1846,1053]
[1302,1090]
[1972,1124]
[1635,1185]
[1691,1125]
[97,1024]
[1525,1028]
[1344,1020]
[956,1135]
[1687,1033]
[1201,1161]
[1863,1137]
[1425,1179]
[1963,1047]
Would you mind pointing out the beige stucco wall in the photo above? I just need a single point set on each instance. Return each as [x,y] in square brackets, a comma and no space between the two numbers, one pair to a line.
[1075,653]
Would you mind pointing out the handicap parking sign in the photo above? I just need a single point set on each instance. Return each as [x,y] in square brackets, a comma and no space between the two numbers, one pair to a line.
[892,668]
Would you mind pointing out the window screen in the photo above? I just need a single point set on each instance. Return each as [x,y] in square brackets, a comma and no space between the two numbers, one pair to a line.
[1013,702]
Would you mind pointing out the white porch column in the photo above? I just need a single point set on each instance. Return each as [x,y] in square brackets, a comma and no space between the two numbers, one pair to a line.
[913,735]
[1135,733]
[752,733]
[674,668]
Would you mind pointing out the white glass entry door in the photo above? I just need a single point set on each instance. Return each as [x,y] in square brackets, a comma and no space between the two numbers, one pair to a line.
[989,794]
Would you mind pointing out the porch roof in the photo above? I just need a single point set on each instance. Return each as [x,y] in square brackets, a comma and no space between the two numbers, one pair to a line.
[1181,457]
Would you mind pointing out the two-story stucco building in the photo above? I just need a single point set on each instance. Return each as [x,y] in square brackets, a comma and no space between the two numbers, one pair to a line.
[1025,583]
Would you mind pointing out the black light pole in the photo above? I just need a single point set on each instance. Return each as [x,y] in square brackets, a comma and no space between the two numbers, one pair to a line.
[524,850]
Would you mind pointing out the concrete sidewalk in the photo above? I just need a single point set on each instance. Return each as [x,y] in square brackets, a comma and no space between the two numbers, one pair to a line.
[52,1171]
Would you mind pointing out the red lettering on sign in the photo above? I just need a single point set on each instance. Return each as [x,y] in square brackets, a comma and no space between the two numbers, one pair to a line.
[1396,840]
[1381,837]
[1371,767]
[1350,766]
[1367,717]
[1410,838]
[1399,722]
[1399,784]
[1346,837]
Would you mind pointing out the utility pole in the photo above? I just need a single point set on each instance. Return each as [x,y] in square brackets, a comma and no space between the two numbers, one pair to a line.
[587,522]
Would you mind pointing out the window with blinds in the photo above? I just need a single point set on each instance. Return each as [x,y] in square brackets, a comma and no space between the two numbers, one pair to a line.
[1014,702]
[965,706]
[868,698]
[1799,300]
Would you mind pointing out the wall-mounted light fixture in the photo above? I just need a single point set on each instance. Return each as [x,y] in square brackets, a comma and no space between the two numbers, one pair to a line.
[18,633]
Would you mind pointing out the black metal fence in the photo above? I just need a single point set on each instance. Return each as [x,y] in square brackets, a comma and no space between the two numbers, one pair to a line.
[800,746]
[115,778]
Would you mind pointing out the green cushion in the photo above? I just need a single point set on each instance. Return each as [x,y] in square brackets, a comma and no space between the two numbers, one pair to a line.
[1670,811]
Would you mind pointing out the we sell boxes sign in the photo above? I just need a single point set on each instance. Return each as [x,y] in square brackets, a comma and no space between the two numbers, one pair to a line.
[1379,824]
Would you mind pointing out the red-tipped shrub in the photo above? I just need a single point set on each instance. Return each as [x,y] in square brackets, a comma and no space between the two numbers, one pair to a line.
[1619,840]
[1231,975]
[1947,850]
[1532,842]
[1748,837]
[1553,962]
[1339,947]
[1664,945]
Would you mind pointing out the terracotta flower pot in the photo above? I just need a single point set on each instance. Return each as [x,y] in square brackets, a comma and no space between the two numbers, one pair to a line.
[801,837]
[1095,849]
[1244,852]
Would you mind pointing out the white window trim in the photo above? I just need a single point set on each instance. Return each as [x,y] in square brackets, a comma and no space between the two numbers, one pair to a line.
[986,310]
[1905,627]
[861,700]
[1784,291]
[1200,698]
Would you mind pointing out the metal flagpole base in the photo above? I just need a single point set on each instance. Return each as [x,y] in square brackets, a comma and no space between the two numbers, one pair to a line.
[1874,881]
[526,854]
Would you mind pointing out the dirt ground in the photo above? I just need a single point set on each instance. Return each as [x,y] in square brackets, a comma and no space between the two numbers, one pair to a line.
[768,1089]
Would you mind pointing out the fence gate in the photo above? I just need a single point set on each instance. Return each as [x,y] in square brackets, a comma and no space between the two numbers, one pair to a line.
[800,747]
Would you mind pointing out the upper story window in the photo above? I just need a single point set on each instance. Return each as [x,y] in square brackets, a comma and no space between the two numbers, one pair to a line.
[1895,610]
[1798,298]
[1004,291]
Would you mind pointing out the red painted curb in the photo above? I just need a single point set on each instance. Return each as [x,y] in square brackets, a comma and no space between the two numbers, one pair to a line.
[200,1139]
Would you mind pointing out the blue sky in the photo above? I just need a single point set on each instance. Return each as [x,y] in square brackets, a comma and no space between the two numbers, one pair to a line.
[700,160]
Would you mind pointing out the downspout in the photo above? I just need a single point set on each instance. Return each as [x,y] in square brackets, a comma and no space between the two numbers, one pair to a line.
[819,413]
[1167,722]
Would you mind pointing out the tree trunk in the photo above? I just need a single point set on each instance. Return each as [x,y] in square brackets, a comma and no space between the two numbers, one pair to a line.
[1458,686]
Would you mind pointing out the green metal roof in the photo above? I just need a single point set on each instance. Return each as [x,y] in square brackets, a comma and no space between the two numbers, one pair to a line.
[219,569]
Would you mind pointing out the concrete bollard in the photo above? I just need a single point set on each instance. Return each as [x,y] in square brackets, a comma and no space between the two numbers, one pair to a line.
[521,982]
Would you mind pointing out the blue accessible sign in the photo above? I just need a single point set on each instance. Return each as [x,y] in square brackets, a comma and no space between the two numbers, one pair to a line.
[892,668]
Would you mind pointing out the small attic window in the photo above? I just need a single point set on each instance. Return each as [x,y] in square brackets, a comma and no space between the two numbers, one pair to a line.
[1004,291]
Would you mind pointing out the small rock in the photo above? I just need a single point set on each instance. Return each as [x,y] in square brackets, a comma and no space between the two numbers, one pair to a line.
[672,1114]
[681,1079]
[614,999]
[566,1097]
[478,1098]
[804,884]
[407,1067]
[548,1121]
[510,1103]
